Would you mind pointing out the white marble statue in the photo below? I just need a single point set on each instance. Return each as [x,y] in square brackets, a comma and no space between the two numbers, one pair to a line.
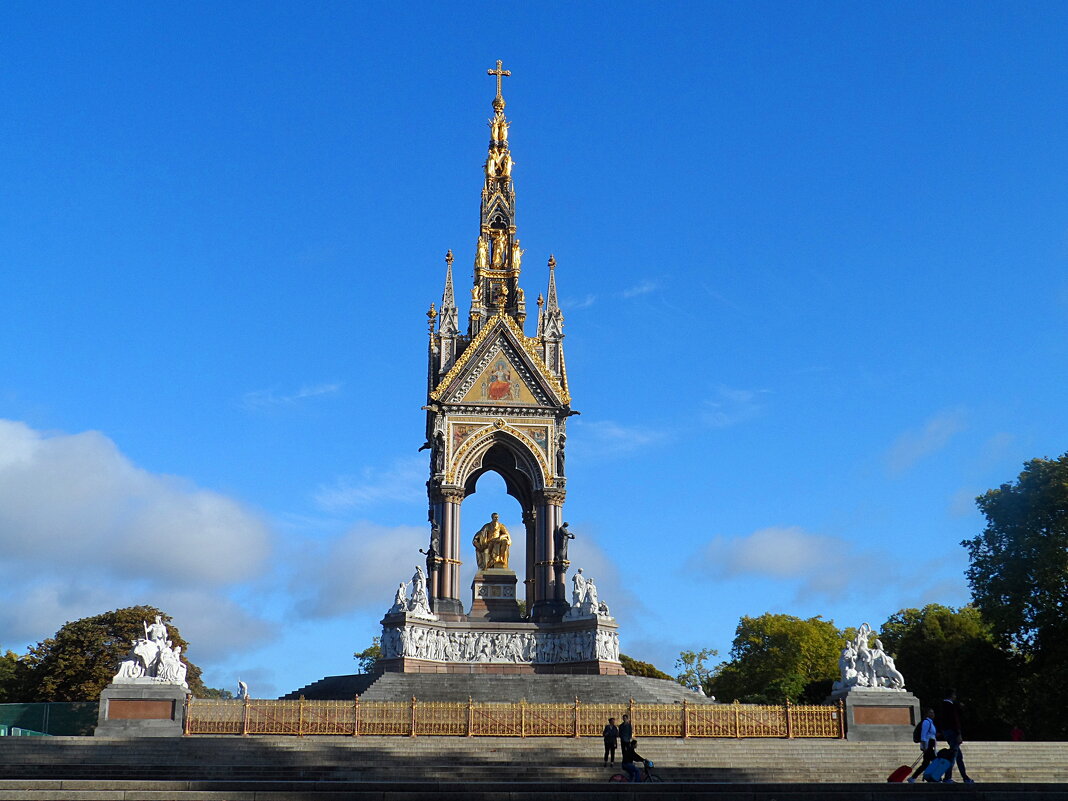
[153,659]
[242,690]
[418,605]
[865,667]
[584,599]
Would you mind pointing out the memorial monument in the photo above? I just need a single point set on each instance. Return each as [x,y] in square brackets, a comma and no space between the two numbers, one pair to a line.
[877,705]
[498,400]
[147,695]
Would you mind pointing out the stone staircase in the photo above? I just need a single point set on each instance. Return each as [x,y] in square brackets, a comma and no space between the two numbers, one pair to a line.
[34,764]
[334,688]
[537,689]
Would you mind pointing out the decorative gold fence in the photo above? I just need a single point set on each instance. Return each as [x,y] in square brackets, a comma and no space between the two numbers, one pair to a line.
[478,719]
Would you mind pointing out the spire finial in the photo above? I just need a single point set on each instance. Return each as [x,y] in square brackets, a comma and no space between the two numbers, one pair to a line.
[448,257]
[552,262]
[498,101]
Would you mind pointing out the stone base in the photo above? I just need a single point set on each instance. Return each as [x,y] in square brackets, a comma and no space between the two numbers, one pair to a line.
[588,645]
[141,709]
[408,665]
[493,596]
[879,715]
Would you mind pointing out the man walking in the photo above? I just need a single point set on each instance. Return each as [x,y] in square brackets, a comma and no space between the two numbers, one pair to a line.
[948,722]
[626,733]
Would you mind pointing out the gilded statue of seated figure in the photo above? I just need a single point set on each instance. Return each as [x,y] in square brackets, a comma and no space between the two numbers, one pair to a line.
[491,545]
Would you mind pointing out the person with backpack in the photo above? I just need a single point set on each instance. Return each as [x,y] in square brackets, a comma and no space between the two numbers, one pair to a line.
[927,736]
[948,722]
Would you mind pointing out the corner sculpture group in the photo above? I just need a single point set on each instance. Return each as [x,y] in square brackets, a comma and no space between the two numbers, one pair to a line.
[865,667]
[153,658]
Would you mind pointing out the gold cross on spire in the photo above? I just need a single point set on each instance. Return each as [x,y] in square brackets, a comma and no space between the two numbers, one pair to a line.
[499,73]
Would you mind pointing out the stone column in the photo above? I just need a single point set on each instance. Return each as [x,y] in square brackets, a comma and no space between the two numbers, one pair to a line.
[546,606]
[447,601]
[530,523]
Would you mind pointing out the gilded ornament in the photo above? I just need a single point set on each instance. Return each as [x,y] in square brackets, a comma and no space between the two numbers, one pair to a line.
[492,543]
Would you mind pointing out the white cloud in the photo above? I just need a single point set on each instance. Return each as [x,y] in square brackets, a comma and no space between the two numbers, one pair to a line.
[74,500]
[732,406]
[575,305]
[642,288]
[817,563]
[358,570]
[83,530]
[914,445]
[261,399]
[403,481]
[607,437]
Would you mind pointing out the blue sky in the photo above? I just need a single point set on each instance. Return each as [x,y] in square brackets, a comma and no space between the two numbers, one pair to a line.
[812,260]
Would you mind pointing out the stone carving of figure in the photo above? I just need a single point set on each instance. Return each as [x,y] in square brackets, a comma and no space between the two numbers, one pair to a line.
[171,669]
[491,166]
[578,590]
[561,538]
[847,666]
[157,632]
[500,245]
[491,545]
[242,690]
[476,294]
[885,669]
[591,600]
[506,164]
[439,452]
[517,256]
[400,600]
[419,601]
[561,440]
[602,610]
[482,254]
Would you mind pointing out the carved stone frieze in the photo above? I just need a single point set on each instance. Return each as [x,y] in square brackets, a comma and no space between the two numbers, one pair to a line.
[434,644]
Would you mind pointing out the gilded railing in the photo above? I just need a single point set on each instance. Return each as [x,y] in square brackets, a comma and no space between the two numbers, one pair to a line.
[480,719]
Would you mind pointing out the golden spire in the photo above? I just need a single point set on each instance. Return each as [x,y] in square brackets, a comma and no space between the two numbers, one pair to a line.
[498,101]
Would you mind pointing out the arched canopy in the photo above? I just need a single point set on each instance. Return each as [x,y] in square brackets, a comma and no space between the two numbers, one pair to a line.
[509,457]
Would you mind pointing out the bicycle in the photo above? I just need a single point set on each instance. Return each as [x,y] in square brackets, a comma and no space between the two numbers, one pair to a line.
[649,776]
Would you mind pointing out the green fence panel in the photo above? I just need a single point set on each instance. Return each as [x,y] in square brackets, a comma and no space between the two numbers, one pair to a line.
[58,718]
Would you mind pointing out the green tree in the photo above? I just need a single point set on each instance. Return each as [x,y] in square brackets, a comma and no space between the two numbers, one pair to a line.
[369,656]
[1019,563]
[938,647]
[693,673]
[11,675]
[777,657]
[635,667]
[82,657]
[1018,574]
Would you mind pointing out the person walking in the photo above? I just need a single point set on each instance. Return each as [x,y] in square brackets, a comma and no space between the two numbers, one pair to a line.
[948,722]
[928,744]
[611,734]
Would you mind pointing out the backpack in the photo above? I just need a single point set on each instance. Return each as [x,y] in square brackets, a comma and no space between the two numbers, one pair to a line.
[917,732]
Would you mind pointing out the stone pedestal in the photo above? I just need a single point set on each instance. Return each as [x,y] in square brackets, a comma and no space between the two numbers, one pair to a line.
[141,708]
[879,715]
[493,596]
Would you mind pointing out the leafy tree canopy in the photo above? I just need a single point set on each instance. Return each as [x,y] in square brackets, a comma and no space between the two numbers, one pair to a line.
[369,656]
[694,673]
[82,657]
[777,657]
[10,677]
[937,648]
[634,667]
[1019,563]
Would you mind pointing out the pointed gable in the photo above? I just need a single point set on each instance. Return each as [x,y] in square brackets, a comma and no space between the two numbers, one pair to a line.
[500,367]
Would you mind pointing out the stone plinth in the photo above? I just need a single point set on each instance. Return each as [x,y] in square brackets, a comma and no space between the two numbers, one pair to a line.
[493,596]
[879,715]
[421,645]
[141,708]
